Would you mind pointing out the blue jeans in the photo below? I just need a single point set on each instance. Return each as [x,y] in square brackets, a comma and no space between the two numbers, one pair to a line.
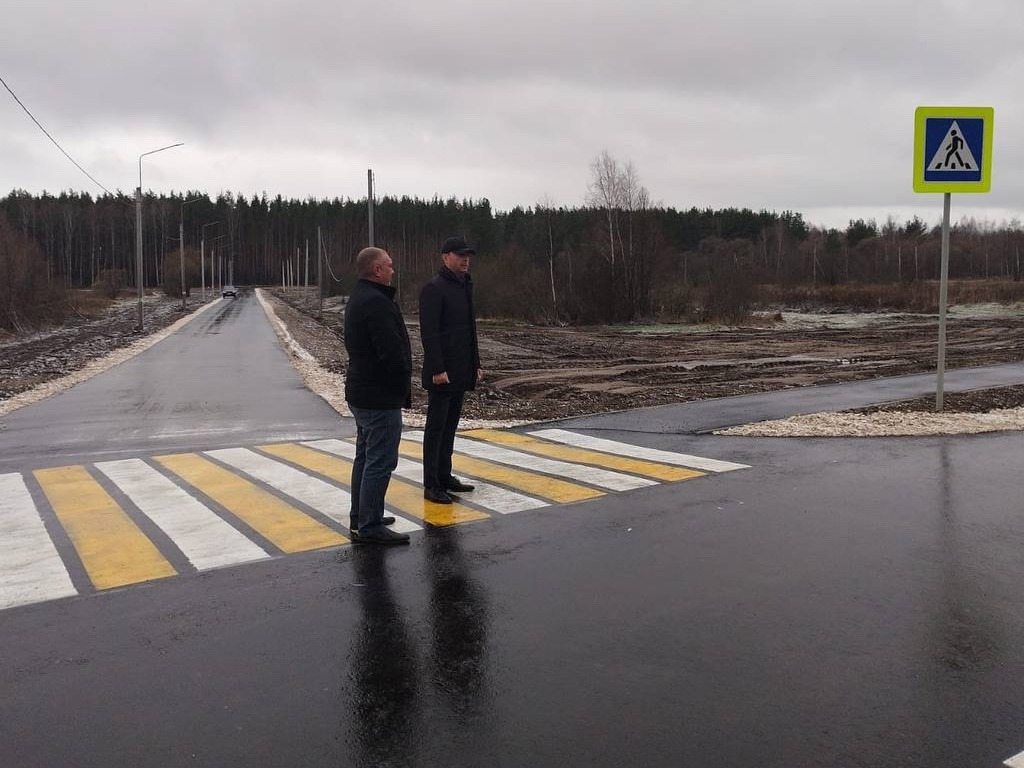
[377,436]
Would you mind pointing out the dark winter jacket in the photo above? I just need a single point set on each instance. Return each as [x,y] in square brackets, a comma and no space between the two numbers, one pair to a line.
[379,357]
[448,331]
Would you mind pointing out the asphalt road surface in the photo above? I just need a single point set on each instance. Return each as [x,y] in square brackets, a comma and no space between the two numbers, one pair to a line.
[178,587]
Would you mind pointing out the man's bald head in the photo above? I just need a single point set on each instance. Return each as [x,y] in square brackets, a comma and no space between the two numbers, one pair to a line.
[374,264]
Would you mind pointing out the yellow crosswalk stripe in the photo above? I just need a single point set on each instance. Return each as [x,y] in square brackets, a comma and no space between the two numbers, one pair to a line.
[403,496]
[523,480]
[641,467]
[288,528]
[112,548]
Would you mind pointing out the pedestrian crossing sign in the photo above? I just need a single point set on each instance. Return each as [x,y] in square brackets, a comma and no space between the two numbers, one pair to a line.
[953,149]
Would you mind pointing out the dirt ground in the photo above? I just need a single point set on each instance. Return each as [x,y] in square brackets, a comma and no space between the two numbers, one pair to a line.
[542,373]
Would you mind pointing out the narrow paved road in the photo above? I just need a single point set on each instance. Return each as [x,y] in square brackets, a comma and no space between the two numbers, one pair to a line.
[222,379]
[180,593]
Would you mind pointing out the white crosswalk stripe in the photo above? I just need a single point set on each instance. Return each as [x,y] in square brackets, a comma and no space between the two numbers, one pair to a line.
[603,478]
[31,570]
[204,538]
[636,451]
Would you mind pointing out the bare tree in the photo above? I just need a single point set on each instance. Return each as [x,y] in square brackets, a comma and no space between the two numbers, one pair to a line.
[615,189]
[605,192]
[546,206]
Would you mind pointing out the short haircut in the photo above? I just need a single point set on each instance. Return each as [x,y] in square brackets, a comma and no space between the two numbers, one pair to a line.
[366,258]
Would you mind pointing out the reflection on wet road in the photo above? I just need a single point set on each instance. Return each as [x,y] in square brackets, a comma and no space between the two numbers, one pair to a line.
[396,690]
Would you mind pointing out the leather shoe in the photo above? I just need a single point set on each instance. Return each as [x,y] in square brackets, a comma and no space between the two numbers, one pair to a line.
[386,520]
[437,495]
[380,535]
[454,484]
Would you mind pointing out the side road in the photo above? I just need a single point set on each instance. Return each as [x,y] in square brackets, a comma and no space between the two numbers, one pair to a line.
[721,413]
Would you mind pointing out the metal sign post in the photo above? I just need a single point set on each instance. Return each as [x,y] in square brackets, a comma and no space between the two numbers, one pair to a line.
[952,153]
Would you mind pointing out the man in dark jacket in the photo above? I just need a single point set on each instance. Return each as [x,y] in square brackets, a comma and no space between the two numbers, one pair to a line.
[377,386]
[451,365]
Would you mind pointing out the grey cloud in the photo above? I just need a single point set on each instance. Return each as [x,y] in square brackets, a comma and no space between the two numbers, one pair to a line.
[794,104]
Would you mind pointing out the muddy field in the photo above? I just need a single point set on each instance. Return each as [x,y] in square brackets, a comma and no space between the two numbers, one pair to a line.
[540,373]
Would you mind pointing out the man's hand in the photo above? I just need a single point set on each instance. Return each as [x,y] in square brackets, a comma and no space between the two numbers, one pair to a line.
[440,378]
[479,375]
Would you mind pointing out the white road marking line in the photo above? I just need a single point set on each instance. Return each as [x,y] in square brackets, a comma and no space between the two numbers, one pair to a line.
[206,539]
[603,478]
[487,495]
[31,570]
[636,451]
[1017,761]
[312,491]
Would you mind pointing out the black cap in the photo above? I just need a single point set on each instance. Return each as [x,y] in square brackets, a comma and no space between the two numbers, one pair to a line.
[457,245]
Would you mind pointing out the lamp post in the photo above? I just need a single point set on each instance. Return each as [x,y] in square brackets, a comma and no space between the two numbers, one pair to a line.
[138,226]
[181,248]
[214,264]
[202,255]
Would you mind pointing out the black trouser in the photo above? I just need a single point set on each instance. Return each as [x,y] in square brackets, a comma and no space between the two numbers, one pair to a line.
[444,407]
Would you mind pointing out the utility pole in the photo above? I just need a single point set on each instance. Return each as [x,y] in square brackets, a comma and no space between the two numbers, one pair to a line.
[138,243]
[320,270]
[369,201]
[306,288]
[181,255]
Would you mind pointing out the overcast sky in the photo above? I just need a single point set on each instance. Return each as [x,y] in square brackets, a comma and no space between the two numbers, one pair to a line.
[806,105]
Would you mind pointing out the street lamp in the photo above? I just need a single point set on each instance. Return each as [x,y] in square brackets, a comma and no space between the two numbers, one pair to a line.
[202,256]
[214,264]
[181,247]
[138,226]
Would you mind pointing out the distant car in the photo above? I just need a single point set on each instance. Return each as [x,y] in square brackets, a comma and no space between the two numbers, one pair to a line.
[229,290]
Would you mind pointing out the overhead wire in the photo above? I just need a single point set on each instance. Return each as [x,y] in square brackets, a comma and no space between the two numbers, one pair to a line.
[58,146]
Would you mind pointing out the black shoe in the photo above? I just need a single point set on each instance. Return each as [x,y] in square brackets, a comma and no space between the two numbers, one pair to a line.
[380,535]
[386,520]
[436,495]
[454,484]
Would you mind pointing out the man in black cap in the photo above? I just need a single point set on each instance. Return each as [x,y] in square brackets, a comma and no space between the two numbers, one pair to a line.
[451,365]
[378,384]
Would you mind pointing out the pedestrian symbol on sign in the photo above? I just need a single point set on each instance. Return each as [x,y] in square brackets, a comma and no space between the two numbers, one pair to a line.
[953,153]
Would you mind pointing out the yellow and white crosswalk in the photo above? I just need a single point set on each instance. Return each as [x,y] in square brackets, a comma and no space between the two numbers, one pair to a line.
[71,530]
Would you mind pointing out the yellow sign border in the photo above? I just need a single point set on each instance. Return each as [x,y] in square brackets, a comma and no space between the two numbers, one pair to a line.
[985,183]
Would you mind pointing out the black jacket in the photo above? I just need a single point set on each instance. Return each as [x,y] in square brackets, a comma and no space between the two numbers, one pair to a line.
[448,331]
[379,357]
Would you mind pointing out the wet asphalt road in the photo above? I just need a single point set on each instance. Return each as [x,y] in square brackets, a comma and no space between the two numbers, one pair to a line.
[220,380]
[841,602]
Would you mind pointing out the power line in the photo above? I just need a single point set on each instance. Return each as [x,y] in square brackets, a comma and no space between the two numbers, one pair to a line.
[58,146]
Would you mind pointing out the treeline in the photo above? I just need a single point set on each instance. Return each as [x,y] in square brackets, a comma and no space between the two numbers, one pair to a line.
[618,258]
